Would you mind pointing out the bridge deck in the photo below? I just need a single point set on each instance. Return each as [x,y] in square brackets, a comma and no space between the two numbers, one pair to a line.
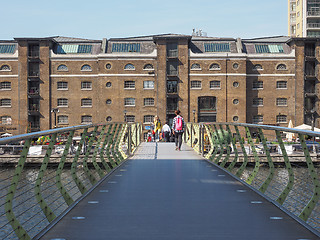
[166,194]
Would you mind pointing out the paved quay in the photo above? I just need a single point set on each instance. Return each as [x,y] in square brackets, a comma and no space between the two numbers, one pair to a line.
[161,193]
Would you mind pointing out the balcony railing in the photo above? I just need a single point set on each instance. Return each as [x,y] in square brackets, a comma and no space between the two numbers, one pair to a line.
[34,74]
[34,54]
[172,88]
[313,13]
[313,25]
[172,106]
[172,73]
[33,92]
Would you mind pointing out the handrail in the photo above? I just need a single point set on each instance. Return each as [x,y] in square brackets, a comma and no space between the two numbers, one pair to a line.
[273,174]
[34,195]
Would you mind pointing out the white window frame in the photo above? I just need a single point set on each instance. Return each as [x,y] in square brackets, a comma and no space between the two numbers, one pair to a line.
[257,102]
[282,119]
[130,118]
[130,102]
[195,67]
[62,102]
[148,67]
[257,119]
[6,120]
[195,84]
[129,67]
[148,101]
[148,81]
[212,83]
[282,102]
[211,68]
[257,83]
[86,102]
[86,68]
[5,86]
[86,85]
[279,83]
[62,68]
[5,102]
[129,84]
[85,118]
[63,119]
[147,119]
[63,88]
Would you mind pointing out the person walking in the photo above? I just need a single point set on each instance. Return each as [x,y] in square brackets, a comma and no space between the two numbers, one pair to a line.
[178,127]
[157,128]
[166,130]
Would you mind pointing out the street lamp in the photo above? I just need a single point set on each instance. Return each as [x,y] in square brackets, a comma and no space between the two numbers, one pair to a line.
[55,111]
[125,115]
[194,115]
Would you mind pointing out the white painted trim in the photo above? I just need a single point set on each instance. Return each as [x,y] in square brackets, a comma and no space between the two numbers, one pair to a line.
[242,74]
[9,59]
[104,75]
[6,76]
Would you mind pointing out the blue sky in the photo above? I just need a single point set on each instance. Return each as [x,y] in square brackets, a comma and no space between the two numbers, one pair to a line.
[97,19]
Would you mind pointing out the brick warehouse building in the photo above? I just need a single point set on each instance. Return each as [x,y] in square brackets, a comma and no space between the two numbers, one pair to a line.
[268,80]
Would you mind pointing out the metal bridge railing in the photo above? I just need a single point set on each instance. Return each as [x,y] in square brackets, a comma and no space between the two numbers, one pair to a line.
[285,172]
[36,189]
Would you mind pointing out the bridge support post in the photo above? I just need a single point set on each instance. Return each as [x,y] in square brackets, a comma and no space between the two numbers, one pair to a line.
[129,139]
[191,134]
[202,139]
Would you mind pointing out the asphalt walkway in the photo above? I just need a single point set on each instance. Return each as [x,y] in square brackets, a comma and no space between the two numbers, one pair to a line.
[161,193]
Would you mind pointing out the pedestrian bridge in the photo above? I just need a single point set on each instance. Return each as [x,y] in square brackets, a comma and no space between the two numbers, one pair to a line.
[218,187]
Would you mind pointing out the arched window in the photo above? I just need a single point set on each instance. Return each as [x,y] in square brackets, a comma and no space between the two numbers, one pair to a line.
[148,67]
[62,67]
[214,66]
[281,67]
[257,67]
[5,68]
[129,67]
[86,67]
[195,66]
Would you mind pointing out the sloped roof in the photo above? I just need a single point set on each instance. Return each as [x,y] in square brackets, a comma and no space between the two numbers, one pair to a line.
[150,37]
[274,39]
[61,39]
